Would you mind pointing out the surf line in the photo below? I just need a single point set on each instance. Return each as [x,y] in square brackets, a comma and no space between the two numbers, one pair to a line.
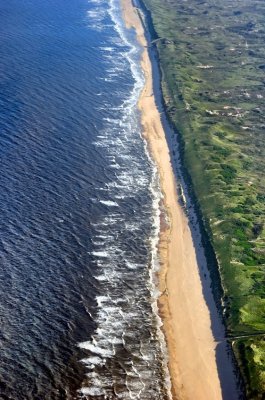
[182,307]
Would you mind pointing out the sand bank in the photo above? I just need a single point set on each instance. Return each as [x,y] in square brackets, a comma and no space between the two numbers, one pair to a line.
[185,315]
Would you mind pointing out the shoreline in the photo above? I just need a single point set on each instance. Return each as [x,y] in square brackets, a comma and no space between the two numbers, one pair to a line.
[190,341]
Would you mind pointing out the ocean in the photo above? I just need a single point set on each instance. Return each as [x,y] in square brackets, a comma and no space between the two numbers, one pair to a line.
[79,204]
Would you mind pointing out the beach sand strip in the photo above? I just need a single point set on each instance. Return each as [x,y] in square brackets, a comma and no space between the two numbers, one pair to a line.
[183,309]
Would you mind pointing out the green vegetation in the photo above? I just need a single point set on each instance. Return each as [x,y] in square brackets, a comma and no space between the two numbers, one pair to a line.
[212,63]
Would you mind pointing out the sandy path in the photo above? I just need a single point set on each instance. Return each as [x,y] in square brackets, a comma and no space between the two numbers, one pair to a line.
[185,315]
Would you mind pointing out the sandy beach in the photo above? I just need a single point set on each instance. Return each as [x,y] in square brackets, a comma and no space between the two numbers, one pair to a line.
[186,318]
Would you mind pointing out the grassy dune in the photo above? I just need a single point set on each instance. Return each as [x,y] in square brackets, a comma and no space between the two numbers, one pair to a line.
[212,58]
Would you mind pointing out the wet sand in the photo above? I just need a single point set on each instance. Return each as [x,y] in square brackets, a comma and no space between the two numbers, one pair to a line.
[183,309]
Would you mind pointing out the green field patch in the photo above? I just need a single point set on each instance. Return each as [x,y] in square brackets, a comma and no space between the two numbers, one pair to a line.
[251,355]
[212,63]
[252,313]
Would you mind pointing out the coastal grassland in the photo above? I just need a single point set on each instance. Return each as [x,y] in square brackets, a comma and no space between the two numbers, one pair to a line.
[212,60]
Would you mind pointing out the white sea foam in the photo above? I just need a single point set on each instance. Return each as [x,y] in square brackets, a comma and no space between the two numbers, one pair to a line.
[96,16]
[92,391]
[93,360]
[105,48]
[116,166]
[102,254]
[103,236]
[116,315]
[101,278]
[95,349]
[95,1]
[102,299]
[157,196]
[109,203]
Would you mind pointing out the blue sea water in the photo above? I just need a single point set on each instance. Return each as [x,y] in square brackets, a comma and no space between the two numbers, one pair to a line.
[78,208]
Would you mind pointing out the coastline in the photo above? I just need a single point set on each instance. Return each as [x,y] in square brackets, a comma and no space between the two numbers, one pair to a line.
[190,341]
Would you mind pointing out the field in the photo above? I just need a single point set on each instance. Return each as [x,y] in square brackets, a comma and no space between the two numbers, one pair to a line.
[212,59]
